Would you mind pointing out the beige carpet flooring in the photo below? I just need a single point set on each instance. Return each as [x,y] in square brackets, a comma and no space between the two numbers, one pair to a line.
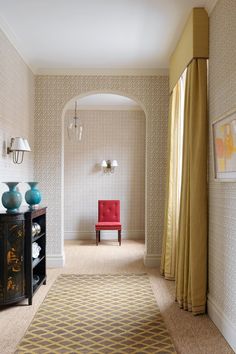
[191,335]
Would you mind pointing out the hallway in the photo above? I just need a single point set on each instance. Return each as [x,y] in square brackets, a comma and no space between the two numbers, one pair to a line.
[191,335]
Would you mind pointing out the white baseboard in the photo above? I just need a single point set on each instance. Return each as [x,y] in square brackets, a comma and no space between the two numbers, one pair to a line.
[55,260]
[106,235]
[224,324]
[152,260]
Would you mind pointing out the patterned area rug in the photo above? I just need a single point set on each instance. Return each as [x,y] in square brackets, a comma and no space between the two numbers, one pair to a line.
[111,314]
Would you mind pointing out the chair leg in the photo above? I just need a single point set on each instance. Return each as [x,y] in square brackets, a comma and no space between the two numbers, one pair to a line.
[119,237]
[97,237]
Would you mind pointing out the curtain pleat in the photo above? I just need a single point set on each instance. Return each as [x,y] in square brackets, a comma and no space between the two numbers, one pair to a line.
[191,265]
[175,142]
[165,264]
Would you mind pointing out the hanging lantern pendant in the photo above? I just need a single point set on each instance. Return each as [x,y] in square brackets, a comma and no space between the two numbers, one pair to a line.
[74,129]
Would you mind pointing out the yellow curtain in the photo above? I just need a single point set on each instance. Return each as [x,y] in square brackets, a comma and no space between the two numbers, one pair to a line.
[175,147]
[191,265]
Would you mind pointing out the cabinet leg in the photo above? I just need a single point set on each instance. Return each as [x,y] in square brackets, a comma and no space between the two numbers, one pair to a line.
[45,282]
[30,301]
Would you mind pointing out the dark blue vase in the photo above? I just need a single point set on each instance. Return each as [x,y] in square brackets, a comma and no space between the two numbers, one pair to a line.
[33,195]
[11,199]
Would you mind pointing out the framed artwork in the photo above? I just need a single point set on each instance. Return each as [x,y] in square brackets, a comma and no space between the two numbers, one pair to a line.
[224,147]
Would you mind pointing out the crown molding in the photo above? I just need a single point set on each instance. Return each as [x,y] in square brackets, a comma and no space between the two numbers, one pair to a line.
[210,4]
[15,42]
[12,37]
[5,28]
[103,72]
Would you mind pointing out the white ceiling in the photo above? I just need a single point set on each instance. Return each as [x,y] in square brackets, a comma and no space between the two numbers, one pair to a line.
[106,100]
[103,101]
[89,34]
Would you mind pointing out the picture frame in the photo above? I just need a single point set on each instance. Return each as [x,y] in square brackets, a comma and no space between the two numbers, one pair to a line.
[224,147]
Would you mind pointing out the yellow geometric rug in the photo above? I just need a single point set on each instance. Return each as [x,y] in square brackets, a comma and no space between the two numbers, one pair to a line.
[108,314]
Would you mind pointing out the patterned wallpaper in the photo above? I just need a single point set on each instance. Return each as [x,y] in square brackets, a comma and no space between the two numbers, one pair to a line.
[222,196]
[107,135]
[52,94]
[16,113]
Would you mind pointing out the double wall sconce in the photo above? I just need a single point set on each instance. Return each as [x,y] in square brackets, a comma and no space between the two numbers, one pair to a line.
[109,166]
[18,146]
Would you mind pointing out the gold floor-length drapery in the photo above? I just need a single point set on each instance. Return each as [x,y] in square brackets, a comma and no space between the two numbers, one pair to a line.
[191,265]
[175,142]
[184,254]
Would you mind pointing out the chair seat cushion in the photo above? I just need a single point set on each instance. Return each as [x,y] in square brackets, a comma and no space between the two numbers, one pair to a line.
[108,225]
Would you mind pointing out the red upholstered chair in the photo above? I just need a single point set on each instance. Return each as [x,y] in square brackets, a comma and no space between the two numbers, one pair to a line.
[108,218]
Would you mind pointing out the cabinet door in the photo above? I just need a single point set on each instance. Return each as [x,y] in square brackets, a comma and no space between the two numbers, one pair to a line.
[15,278]
[1,263]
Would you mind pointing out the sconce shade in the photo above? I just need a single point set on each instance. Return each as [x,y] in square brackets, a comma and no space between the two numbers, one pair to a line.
[17,147]
[18,144]
[114,163]
[109,166]
[104,163]
[27,147]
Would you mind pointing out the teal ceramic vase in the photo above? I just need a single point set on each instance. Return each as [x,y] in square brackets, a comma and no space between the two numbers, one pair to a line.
[11,199]
[33,195]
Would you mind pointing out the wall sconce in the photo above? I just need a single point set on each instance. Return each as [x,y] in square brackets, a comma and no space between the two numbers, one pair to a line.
[18,146]
[109,166]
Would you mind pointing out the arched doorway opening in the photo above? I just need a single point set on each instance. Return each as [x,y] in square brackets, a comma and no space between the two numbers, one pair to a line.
[54,92]
[114,128]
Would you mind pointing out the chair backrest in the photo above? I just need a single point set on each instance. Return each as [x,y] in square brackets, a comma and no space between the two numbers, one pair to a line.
[109,210]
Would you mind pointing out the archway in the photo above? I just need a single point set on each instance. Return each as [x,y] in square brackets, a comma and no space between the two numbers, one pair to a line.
[84,182]
[52,94]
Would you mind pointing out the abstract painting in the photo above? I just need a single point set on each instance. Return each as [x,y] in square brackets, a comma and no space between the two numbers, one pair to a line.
[224,147]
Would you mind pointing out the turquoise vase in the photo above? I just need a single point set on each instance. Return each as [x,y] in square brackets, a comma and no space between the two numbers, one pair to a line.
[11,199]
[33,195]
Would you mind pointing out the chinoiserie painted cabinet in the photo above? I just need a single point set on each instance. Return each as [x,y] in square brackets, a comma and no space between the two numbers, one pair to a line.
[18,270]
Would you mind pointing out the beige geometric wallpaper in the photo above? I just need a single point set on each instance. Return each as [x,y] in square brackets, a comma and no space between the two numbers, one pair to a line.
[111,135]
[17,84]
[16,114]
[222,196]
[52,94]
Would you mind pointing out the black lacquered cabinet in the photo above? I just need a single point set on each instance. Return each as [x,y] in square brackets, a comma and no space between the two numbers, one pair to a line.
[35,267]
[18,270]
[12,258]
